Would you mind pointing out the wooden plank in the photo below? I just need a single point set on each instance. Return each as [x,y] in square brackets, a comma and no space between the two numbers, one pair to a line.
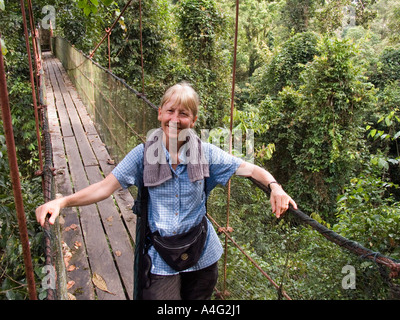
[106,230]
[85,149]
[125,202]
[88,125]
[117,234]
[82,289]
[62,113]
[115,230]
[123,197]
[94,238]
[100,258]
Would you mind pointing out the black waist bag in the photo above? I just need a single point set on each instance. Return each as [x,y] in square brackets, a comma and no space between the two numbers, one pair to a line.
[182,251]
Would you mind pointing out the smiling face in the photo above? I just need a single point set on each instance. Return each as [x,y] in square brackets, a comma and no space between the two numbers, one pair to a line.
[174,118]
[178,111]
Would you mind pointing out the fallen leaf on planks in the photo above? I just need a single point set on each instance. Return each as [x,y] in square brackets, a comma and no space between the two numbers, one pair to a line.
[77,245]
[99,282]
[71,227]
[70,284]
[70,268]
[67,254]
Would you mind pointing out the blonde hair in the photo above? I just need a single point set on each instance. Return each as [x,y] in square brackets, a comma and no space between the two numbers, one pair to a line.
[185,96]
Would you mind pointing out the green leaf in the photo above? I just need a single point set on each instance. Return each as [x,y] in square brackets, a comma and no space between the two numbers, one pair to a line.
[383,163]
[87,10]
[2,6]
[372,133]
[95,2]
[107,2]
[81,4]
[388,121]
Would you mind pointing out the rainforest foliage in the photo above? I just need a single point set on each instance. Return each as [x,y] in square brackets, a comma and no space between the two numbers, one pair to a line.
[318,81]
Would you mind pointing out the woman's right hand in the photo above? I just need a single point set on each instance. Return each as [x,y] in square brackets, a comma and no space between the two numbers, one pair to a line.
[91,194]
[52,208]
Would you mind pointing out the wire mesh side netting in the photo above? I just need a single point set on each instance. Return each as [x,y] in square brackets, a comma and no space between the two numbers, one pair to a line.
[121,118]
[302,263]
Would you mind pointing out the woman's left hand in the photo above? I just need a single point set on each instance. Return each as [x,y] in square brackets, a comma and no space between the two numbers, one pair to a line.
[280,200]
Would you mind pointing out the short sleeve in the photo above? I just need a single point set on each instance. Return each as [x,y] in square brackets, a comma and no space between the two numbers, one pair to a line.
[222,166]
[130,170]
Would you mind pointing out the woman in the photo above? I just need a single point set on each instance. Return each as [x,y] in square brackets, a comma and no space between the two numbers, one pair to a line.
[179,171]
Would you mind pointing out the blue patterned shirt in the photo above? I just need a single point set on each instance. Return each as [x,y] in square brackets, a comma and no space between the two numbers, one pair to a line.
[178,204]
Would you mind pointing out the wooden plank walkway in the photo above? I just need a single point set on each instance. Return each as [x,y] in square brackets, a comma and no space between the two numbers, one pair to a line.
[96,239]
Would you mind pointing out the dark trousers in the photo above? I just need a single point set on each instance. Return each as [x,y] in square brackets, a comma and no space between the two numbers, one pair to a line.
[195,285]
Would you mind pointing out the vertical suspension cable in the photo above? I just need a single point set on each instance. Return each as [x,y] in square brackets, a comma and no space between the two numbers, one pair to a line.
[230,142]
[34,45]
[28,49]
[109,48]
[141,43]
[16,184]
